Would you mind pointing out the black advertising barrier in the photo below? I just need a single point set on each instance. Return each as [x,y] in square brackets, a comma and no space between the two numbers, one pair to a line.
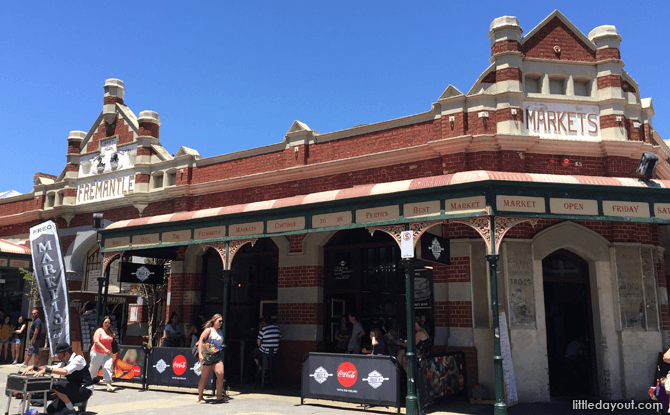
[366,379]
[129,364]
[442,375]
[173,366]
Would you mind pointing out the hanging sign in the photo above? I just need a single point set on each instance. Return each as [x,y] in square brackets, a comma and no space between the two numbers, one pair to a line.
[435,249]
[50,277]
[407,244]
[141,273]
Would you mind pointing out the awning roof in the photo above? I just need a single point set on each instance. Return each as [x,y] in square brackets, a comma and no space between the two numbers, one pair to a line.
[393,187]
[10,248]
[474,193]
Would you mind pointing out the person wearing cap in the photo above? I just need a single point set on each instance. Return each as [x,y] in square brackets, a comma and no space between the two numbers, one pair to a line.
[77,386]
[268,338]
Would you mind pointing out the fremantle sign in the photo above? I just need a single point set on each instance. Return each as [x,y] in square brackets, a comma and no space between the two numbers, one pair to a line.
[106,188]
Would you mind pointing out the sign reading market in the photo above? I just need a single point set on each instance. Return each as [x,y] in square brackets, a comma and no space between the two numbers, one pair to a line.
[564,121]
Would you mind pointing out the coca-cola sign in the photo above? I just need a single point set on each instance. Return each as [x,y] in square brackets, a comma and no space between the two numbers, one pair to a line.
[347,374]
[179,365]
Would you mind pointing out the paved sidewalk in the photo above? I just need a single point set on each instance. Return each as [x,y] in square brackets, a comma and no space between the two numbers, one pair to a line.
[131,399]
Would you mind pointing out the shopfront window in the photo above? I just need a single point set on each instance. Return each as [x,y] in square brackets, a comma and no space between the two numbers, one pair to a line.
[11,291]
[363,274]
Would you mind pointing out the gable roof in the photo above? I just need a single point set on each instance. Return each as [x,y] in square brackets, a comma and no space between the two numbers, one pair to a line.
[568,23]
[450,92]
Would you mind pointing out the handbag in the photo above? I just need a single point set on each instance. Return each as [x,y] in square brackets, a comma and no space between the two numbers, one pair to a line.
[115,346]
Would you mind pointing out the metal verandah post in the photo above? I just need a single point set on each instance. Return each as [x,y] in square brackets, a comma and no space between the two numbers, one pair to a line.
[227,275]
[101,282]
[411,401]
[500,407]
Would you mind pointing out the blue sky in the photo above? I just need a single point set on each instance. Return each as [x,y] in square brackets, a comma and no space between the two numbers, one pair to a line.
[228,76]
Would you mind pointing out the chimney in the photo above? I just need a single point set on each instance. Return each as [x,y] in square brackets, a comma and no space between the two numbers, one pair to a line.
[114,91]
[607,42]
[505,35]
[150,123]
[74,141]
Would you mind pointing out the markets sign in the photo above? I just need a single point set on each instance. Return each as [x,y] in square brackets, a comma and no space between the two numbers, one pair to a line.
[50,277]
[562,121]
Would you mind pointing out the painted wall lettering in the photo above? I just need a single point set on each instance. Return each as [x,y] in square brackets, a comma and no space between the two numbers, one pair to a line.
[562,120]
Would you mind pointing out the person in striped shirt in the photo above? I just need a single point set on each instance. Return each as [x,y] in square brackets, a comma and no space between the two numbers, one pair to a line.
[268,337]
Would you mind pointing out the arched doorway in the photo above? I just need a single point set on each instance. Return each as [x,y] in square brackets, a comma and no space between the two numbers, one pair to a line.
[253,289]
[569,322]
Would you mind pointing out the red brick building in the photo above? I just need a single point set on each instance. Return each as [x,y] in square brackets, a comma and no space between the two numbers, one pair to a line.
[550,134]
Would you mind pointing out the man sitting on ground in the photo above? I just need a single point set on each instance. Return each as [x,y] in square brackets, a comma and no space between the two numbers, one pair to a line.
[77,386]
[268,338]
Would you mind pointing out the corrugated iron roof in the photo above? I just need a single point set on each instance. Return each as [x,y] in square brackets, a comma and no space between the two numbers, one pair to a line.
[10,248]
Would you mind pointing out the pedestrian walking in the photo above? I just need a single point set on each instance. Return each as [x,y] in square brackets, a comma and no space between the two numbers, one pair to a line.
[101,352]
[211,341]
[17,338]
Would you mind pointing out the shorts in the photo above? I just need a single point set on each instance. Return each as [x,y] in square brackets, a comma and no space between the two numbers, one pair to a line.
[257,354]
[8,341]
[212,360]
[33,349]
[16,341]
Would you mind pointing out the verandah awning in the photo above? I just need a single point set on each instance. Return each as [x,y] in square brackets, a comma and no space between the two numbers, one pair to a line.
[465,194]
[10,248]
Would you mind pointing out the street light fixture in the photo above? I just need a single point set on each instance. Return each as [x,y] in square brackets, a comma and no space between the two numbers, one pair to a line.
[98,224]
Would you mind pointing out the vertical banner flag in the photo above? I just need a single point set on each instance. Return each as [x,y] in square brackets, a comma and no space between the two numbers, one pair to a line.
[50,278]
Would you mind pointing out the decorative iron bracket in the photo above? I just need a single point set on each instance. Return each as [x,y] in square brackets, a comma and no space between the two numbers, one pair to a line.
[233,247]
[417,228]
[108,258]
[502,224]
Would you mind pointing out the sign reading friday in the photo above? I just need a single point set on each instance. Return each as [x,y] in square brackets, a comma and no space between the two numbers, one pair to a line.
[562,120]
[105,188]
[625,209]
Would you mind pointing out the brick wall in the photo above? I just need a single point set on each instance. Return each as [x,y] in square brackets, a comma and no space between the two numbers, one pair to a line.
[607,53]
[458,271]
[181,286]
[125,133]
[609,81]
[453,313]
[505,46]
[296,242]
[301,276]
[665,316]
[541,45]
[300,313]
